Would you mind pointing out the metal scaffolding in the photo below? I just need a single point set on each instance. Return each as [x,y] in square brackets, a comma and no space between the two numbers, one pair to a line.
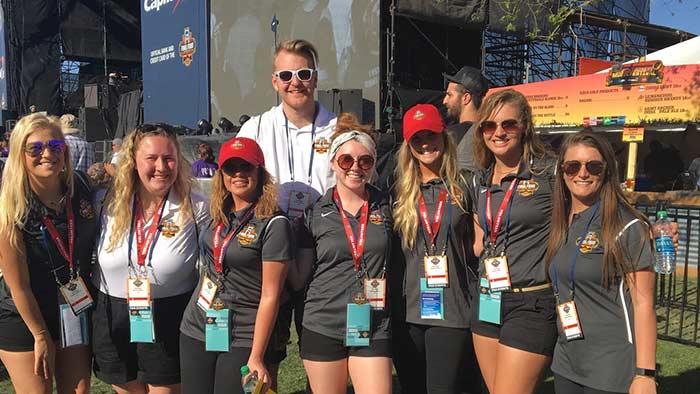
[612,30]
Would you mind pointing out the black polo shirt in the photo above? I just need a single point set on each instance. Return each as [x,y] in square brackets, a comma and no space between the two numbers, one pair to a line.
[528,225]
[260,240]
[455,296]
[605,358]
[333,283]
[43,255]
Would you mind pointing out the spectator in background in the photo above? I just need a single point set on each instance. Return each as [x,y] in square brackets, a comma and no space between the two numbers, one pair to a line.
[81,152]
[4,149]
[206,166]
[694,171]
[111,166]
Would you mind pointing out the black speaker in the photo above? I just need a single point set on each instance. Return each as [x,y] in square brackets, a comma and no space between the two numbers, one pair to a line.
[342,100]
[93,124]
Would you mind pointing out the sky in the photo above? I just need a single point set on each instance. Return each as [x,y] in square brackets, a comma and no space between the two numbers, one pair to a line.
[679,14]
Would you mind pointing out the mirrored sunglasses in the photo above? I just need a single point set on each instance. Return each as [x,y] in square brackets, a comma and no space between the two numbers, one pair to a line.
[365,162]
[36,148]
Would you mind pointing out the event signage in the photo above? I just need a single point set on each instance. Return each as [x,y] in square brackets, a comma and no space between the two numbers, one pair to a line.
[644,93]
[174,36]
[633,134]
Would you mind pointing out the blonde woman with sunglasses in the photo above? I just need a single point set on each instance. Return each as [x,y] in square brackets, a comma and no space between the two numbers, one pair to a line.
[47,230]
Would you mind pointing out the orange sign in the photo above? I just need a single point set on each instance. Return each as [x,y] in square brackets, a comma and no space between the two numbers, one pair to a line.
[632,134]
[669,94]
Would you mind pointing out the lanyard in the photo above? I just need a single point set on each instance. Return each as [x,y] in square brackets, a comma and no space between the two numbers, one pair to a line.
[145,243]
[56,237]
[356,248]
[432,230]
[552,267]
[221,247]
[494,226]
[290,147]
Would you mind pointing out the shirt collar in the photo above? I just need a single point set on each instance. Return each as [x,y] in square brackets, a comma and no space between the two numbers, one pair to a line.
[323,118]
[375,196]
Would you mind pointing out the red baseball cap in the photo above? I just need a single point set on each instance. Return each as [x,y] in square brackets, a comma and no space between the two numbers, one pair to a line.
[242,148]
[422,117]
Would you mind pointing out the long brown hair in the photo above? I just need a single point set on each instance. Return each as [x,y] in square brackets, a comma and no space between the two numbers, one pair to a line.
[617,260]
[531,143]
[222,200]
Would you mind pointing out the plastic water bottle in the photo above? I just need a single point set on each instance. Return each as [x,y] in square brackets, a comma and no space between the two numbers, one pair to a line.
[250,384]
[665,256]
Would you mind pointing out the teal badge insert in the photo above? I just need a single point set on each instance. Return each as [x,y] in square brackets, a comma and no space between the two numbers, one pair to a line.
[489,303]
[431,301]
[357,325]
[217,332]
[141,325]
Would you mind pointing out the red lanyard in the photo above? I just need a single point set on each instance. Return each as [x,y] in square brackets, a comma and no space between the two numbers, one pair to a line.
[358,248]
[143,242]
[67,254]
[221,247]
[495,227]
[432,231]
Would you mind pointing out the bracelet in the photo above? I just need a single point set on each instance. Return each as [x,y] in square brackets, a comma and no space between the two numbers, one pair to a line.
[40,333]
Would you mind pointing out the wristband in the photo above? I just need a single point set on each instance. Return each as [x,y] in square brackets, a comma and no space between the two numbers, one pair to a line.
[651,373]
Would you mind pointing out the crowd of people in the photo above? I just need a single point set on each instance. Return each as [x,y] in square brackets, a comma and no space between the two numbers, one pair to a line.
[514,256]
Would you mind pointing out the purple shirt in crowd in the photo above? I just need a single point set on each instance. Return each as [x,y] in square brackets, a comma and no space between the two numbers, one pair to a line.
[203,169]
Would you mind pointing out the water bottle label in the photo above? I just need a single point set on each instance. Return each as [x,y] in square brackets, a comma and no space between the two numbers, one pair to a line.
[664,245]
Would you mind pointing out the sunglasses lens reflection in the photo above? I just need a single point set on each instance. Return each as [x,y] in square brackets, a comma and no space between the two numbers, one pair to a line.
[573,167]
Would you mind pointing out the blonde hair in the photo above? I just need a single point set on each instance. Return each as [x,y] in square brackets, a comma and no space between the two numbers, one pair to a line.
[222,200]
[408,183]
[118,201]
[15,190]
[299,47]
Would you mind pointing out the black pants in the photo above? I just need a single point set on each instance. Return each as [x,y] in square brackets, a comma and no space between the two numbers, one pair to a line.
[210,372]
[430,359]
[563,385]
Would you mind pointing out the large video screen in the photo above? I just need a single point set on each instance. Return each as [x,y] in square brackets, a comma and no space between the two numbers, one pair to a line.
[346,34]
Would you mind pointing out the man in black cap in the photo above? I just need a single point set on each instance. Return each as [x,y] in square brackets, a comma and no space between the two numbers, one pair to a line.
[463,95]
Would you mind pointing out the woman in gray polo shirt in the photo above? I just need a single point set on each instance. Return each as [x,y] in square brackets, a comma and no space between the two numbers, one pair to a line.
[346,310]
[600,259]
[245,249]
[433,216]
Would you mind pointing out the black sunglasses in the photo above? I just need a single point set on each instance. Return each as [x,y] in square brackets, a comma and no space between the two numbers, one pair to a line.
[572,167]
[365,162]
[35,149]
[151,127]
[232,167]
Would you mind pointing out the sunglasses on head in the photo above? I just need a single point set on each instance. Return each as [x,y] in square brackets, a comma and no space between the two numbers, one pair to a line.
[36,148]
[151,127]
[303,74]
[572,167]
[232,167]
[510,126]
[365,162]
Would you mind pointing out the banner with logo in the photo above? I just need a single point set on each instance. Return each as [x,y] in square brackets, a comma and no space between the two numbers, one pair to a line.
[174,38]
[643,93]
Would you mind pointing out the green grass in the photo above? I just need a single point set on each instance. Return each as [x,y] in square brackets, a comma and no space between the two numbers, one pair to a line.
[680,372]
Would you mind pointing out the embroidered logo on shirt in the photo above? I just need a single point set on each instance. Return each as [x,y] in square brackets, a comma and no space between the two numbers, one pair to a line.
[248,235]
[590,243]
[322,145]
[86,209]
[528,187]
[376,217]
[169,228]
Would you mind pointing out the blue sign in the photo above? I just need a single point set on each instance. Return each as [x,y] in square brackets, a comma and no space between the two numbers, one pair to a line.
[174,36]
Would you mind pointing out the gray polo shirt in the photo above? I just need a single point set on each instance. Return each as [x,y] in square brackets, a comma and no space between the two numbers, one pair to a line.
[456,298]
[260,240]
[605,358]
[333,283]
[525,238]
[464,138]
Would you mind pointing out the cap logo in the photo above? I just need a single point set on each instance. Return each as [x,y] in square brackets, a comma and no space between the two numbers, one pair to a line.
[418,115]
[237,145]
